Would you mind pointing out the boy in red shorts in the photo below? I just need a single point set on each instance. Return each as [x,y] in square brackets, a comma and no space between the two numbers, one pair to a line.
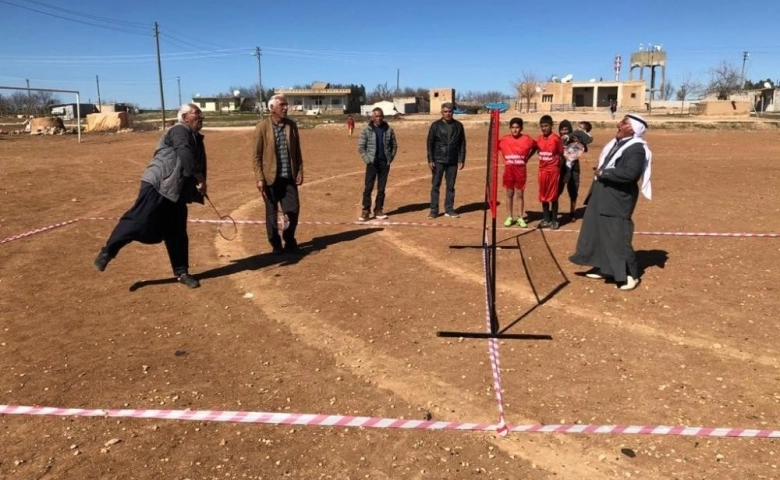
[516,149]
[550,158]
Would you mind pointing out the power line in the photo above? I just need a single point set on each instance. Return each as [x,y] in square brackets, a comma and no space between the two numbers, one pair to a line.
[97,25]
[94,17]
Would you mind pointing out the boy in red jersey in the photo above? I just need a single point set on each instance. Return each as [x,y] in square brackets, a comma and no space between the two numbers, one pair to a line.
[550,157]
[516,149]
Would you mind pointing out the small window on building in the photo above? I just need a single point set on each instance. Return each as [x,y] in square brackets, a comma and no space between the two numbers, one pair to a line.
[202,104]
[335,101]
[547,98]
[435,94]
[298,101]
[633,95]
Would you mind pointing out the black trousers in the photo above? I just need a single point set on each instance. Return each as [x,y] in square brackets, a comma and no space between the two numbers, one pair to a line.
[154,219]
[376,173]
[451,173]
[283,191]
[573,185]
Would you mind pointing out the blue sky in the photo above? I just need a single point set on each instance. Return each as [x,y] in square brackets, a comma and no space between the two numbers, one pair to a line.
[463,44]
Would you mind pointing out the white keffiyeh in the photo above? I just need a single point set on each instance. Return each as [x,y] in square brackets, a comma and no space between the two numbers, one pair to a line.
[639,126]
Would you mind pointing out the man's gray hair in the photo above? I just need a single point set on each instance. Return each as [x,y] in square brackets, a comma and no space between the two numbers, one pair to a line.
[273,101]
[185,109]
[446,105]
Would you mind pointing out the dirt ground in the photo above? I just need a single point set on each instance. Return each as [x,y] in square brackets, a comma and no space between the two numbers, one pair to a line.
[350,327]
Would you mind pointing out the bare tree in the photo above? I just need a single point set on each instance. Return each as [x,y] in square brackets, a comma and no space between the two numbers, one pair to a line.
[668,91]
[725,79]
[527,87]
[381,92]
[481,97]
[688,87]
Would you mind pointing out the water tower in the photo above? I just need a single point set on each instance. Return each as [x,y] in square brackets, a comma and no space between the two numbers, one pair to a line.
[650,56]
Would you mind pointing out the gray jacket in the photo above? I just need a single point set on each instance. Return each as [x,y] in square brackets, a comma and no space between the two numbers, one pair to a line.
[179,155]
[367,143]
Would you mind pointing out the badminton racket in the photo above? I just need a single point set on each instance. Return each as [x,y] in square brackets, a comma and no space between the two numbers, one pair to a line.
[227,226]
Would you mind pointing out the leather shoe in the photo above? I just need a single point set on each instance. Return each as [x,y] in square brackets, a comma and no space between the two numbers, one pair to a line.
[189,280]
[102,259]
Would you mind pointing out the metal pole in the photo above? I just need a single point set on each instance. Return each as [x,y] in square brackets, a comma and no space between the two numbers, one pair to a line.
[258,53]
[159,73]
[29,97]
[745,56]
[78,115]
[178,83]
[100,104]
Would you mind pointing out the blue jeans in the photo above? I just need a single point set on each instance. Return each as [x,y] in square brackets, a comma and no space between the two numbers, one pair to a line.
[451,173]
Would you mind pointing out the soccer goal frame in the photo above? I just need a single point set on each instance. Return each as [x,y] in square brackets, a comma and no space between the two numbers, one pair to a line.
[76,92]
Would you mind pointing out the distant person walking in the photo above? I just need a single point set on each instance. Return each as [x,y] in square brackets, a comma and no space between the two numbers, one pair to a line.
[613,109]
[377,146]
[605,240]
[175,177]
[350,125]
[446,155]
[278,168]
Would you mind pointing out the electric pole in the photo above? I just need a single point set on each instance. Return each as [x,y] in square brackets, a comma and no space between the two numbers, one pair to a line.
[397,81]
[29,97]
[178,83]
[159,73]
[258,53]
[97,80]
[745,56]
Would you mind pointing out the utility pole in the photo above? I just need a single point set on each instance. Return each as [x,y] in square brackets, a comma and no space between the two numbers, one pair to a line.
[97,80]
[178,83]
[397,81]
[159,72]
[29,97]
[258,53]
[745,56]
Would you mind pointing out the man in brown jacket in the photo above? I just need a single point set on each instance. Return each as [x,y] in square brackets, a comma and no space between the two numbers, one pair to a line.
[278,171]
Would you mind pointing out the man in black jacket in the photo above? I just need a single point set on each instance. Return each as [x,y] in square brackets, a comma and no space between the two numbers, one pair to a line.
[446,155]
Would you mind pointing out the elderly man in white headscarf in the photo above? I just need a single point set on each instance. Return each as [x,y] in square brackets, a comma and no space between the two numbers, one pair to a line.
[605,240]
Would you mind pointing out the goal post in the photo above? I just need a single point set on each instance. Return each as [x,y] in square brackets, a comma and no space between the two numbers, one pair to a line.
[76,92]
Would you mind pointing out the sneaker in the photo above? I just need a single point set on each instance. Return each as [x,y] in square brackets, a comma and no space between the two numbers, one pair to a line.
[102,259]
[630,284]
[433,215]
[508,222]
[379,214]
[365,215]
[189,280]
[452,214]
[555,225]
[544,224]
[521,223]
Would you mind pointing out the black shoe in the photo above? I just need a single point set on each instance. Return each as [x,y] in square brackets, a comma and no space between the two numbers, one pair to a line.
[452,214]
[544,224]
[291,247]
[102,259]
[276,248]
[555,225]
[189,280]
[433,215]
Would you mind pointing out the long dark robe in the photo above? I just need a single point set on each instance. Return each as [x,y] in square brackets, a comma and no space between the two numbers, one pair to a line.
[605,239]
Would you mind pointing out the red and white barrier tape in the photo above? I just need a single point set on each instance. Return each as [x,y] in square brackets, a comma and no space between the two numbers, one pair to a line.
[495,363]
[37,230]
[407,224]
[275,418]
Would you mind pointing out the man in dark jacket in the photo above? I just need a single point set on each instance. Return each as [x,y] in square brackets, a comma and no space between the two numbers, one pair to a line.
[377,146]
[175,177]
[446,155]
